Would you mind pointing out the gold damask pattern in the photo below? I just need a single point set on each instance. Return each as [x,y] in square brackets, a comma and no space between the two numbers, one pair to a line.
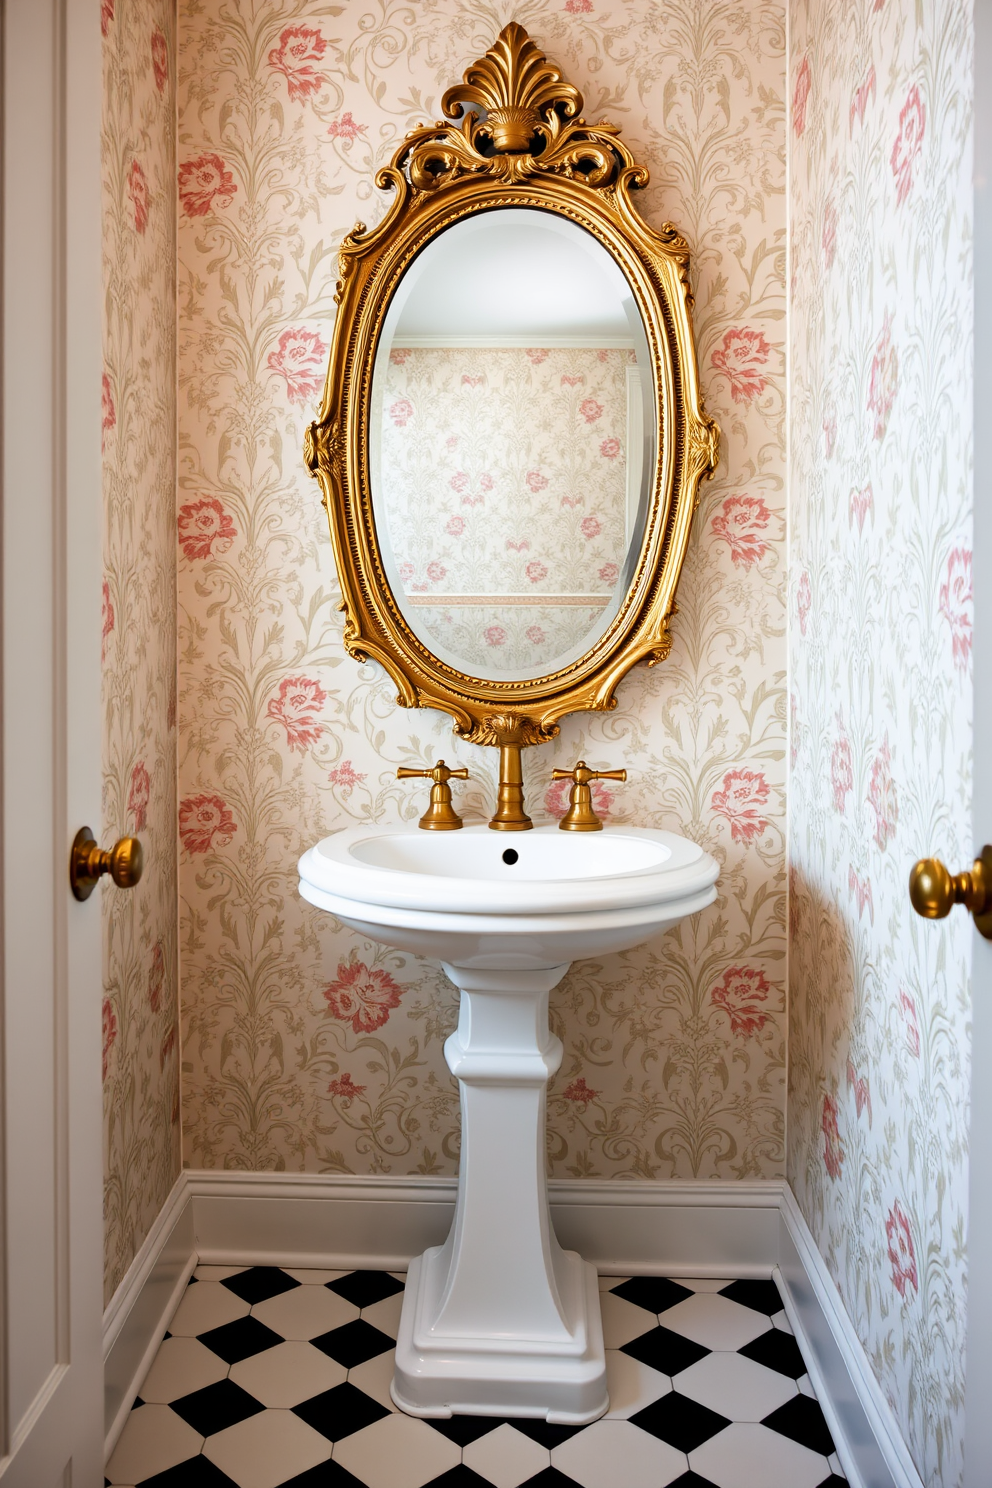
[307,1048]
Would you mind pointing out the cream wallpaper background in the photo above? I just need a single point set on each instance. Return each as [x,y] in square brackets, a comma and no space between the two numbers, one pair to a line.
[880,625]
[304,1048]
[140,1008]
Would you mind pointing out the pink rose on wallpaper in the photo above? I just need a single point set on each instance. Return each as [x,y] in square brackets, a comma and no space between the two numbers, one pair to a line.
[205,529]
[156,977]
[362,996]
[345,776]
[739,993]
[841,768]
[744,793]
[567,381]
[494,635]
[882,797]
[298,356]
[401,412]
[579,1092]
[406,572]
[609,573]
[537,355]
[536,571]
[578,7]
[859,102]
[590,410]
[829,235]
[108,412]
[459,481]
[345,1088]
[571,501]
[858,1085]
[160,59]
[204,820]
[107,612]
[804,600]
[202,182]
[512,546]
[902,1255]
[109,1028]
[140,794]
[536,481]
[738,357]
[800,96]
[591,527]
[436,571]
[884,379]
[740,522]
[137,190]
[909,143]
[397,357]
[168,1045]
[297,707]
[609,449]
[829,432]
[956,604]
[860,888]
[106,16]
[455,526]
[833,1147]
[486,482]
[346,129]
[557,794]
[300,50]
[535,635]
[859,505]
[911,1028]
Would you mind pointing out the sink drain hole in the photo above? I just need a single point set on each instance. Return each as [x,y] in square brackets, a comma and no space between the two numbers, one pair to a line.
[510,856]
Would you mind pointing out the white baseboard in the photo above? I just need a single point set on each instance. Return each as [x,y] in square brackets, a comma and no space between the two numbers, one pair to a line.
[751,1228]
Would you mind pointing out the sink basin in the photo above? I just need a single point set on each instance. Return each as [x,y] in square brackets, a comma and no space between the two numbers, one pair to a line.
[499,1320]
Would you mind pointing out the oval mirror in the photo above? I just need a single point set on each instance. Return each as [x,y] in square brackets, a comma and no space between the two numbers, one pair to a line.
[511,443]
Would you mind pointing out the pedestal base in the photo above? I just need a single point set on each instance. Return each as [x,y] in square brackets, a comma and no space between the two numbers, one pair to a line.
[565,1382]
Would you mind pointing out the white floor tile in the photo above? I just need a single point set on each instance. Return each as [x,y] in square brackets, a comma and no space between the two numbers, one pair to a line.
[805,1387]
[385,1315]
[204,1306]
[702,1283]
[288,1374]
[751,1456]
[607,1283]
[267,1449]
[632,1385]
[397,1452]
[217,1273]
[609,1452]
[735,1387]
[305,1312]
[622,1321]
[781,1322]
[374,1377]
[398,1276]
[314,1278]
[833,1462]
[715,1322]
[154,1438]
[506,1457]
[181,1366]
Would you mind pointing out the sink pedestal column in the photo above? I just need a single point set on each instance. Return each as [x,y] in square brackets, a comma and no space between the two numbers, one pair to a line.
[499,1320]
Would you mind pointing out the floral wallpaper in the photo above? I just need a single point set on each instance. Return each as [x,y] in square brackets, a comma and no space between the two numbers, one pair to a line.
[140,1006]
[880,653]
[304,1047]
[503,473]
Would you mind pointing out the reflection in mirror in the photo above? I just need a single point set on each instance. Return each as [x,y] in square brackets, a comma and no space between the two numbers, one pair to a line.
[512,443]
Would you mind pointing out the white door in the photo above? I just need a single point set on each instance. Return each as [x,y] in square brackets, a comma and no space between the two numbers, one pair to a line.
[51,1175]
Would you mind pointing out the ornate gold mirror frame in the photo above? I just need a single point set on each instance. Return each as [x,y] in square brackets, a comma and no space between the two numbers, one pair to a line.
[521,142]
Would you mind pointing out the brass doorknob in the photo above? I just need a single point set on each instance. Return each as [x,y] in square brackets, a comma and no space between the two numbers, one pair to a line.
[933,891]
[88,863]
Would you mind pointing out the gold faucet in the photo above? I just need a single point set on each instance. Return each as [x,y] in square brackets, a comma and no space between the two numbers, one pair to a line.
[440,815]
[580,817]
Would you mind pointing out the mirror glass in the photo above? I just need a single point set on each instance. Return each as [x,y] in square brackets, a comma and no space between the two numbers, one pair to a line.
[512,443]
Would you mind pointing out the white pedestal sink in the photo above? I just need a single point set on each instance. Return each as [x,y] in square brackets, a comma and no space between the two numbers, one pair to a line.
[500,1320]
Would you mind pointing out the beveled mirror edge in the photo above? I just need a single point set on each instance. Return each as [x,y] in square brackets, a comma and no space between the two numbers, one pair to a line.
[439,175]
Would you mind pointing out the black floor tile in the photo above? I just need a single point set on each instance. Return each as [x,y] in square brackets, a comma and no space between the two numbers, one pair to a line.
[240,1339]
[679,1421]
[763,1296]
[459,1477]
[362,1288]
[354,1343]
[324,1475]
[550,1477]
[216,1407]
[776,1350]
[692,1480]
[654,1293]
[259,1283]
[665,1351]
[196,1472]
[545,1433]
[832,1482]
[801,1419]
[340,1412]
[464,1430]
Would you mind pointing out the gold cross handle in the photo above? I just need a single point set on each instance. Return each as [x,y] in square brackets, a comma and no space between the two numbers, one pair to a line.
[440,815]
[933,891]
[580,816]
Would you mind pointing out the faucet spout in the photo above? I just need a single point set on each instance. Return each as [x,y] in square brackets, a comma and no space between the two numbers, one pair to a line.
[510,814]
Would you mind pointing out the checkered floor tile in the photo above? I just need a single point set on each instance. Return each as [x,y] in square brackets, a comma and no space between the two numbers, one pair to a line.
[277,1377]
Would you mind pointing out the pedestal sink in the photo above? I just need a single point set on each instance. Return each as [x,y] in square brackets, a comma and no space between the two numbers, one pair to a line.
[500,1320]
